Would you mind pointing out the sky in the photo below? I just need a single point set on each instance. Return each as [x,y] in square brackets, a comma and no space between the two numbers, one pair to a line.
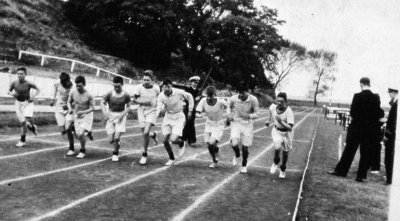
[364,33]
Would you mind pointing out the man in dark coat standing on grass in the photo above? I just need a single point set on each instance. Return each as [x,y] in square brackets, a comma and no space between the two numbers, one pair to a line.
[390,134]
[365,113]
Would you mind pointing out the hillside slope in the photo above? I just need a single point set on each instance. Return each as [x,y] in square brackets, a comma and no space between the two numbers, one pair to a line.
[40,26]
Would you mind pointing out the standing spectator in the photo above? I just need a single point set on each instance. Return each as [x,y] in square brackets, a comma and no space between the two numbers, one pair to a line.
[365,112]
[189,131]
[390,134]
[377,147]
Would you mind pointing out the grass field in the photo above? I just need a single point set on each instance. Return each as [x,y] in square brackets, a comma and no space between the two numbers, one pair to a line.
[39,183]
[333,198]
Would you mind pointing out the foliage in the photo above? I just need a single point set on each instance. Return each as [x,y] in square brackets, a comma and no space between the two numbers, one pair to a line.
[289,59]
[232,36]
[323,63]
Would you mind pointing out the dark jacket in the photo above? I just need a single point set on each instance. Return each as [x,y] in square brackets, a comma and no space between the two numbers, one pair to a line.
[365,111]
[190,90]
[391,121]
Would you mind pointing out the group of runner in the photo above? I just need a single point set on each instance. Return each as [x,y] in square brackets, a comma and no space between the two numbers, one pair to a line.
[74,109]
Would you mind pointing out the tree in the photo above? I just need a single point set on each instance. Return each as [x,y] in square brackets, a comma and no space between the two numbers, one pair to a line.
[232,36]
[323,63]
[289,59]
[232,33]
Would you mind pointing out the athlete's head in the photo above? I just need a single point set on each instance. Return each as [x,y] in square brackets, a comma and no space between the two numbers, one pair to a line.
[21,73]
[167,86]
[80,83]
[118,82]
[211,91]
[242,89]
[281,100]
[65,79]
[147,78]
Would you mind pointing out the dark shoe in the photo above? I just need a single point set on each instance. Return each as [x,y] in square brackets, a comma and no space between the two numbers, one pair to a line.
[388,183]
[358,179]
[334,173]
[90,136]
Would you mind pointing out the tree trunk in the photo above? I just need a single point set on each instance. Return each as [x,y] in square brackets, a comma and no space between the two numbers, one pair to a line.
[316,90]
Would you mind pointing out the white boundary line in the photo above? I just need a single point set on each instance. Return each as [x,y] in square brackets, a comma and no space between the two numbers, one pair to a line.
[57,142]
[97,140]
[304,174]
[10,138]
[212,191]
[340,146]
[296,140]
[109,189]
[4,182]
[59,133]
[225,163]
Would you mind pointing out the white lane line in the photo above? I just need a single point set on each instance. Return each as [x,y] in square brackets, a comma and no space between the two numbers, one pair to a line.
[59,133]
[229,164]
[340,146]
[304,174]
[57,142]
[297,140]
[109,189]
[4,182]
[212,191]
[9,138]
[56,148]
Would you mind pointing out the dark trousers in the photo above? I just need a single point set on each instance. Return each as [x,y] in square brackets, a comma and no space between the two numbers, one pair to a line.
[376,156]
[189,131]
[389,157]
[356,138]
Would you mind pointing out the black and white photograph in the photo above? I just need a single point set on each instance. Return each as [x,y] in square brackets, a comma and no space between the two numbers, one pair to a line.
[199,110]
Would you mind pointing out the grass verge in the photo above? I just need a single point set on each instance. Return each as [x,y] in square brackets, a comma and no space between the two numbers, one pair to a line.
[327,197]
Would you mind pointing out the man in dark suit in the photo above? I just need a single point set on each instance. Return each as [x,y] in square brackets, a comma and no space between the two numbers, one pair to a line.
[189,131]
[390,134]
[365,113]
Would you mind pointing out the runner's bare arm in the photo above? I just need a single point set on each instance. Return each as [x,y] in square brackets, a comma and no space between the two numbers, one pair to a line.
[256,110]
[103,103]
[37,90]
[54,95]
[269,121]
[127,108]
[70,101]
[160,105]
[11,88]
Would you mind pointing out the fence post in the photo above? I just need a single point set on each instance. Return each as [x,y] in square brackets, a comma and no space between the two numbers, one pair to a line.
[98,72]
[72,66]
[19,55]
[42,61]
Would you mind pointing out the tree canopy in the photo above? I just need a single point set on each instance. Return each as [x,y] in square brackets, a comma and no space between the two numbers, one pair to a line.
[323,63]
[232,36]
